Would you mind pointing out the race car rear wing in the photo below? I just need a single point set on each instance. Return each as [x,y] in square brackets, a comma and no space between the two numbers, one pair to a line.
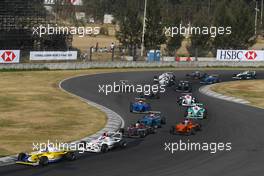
[154,112]
[140,99]
[187,94]
[215,75]
[198,104]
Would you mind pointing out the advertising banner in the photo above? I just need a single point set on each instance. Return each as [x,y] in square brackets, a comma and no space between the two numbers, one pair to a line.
[240,55]
[9,56]
[52,55]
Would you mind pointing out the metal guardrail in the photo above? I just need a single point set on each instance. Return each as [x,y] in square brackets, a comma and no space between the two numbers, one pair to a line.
[127,64]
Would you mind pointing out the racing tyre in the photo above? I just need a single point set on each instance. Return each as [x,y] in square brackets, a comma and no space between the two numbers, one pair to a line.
[21,156]
[104,148]
[191,132]
[123,144]
[122,130]
[142,134]
[70,156]
[153,131]
[163,120]
[172,130]
[205,114]
[131,107]
[43,161]
[185,113]
[83,143]
[199,127]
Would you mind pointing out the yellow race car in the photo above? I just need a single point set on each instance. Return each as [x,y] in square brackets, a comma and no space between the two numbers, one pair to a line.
[44,157]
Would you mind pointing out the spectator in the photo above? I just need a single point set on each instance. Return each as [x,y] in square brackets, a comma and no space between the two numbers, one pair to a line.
[96,47]
[112,47]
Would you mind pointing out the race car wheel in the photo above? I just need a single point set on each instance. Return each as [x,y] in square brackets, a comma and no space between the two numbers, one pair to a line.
[163,120]
[156,126]
[70,156]
[172,130]
[83,143]
[199,127]
[43,161]
[205,114]
[122,130]
[131,107]
[21,156]
[104,148]
[185,113]
[142,134]
[191,132]
[153,131]
[123,144]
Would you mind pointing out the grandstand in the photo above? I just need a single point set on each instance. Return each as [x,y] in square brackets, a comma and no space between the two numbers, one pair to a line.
[17,19]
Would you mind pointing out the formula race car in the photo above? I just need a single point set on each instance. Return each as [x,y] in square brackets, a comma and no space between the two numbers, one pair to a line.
[186,100]
[211,79]
[138,130]
[154,119]
[197,75]
[196,112]
[140,106]
[187,127]
[105,143]
[245,75]
[184,86]
[165,79]
[44,157]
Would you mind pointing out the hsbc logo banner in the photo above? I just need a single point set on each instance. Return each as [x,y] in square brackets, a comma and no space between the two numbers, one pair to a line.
[9,56]
[240,55]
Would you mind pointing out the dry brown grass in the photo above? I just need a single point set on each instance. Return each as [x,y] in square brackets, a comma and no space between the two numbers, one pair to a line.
[34,109]
[252,91]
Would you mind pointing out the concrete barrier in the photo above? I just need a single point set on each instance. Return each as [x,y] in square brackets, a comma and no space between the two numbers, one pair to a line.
[142,64]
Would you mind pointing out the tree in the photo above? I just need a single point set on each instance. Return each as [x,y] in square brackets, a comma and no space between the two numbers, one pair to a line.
[130,24]
[200,43]
[237,15]
[154,35]
[173,42]
[97,8]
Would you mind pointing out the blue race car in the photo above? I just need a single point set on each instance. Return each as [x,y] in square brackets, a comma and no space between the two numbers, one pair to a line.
[210,79]
[140,106]
[153,119]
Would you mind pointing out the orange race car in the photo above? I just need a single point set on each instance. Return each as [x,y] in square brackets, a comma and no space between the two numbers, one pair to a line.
[187,127]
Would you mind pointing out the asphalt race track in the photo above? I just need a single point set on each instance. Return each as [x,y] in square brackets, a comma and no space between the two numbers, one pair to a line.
[227,122]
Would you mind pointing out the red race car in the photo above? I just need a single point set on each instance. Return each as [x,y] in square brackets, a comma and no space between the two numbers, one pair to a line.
[187,127]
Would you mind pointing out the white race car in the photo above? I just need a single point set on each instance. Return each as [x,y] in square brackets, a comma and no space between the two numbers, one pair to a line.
[105,143]
[166,79]
[187,100]
[245,75]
